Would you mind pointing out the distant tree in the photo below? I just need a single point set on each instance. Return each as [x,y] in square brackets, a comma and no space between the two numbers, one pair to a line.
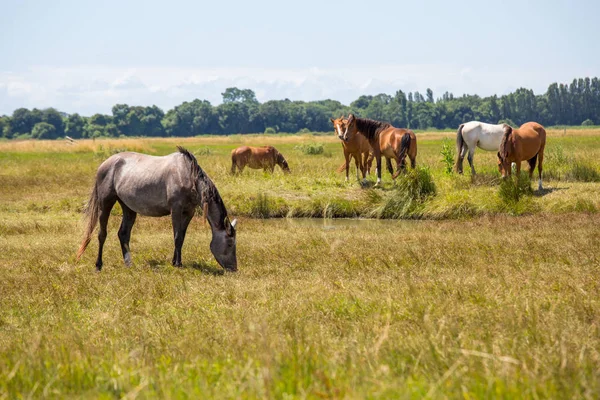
[429,95]
[5,131]
[22,121]
[508,121]
[75,126]
[233,94]
[44,130]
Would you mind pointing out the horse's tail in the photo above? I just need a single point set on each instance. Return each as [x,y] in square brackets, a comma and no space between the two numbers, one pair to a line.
[404,146]
[460,143]
[342,167]
[91,212]
[232,162]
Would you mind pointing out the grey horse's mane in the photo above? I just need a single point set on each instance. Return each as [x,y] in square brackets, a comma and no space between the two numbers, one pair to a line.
[208,191]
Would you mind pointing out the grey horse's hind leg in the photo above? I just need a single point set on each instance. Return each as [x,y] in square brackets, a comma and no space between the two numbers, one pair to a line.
[470,158]
[461,157]
[106,205]
[125,232]
[181,219]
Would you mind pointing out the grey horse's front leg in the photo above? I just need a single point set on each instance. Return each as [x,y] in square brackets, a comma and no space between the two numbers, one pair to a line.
[180,219]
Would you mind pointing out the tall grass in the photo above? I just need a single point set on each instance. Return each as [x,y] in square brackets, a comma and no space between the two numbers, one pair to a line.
[412,190]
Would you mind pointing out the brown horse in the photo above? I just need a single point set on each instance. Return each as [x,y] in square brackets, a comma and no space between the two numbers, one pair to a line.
[525,143]
[265,157]
[385,140]
[356,147]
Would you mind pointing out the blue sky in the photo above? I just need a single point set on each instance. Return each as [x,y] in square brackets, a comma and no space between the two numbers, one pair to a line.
[85,56]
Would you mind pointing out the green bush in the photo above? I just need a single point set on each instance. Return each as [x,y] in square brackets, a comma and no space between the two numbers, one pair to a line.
[447,156]
[270,130]
[587,122]
[260,206]
[412,190]
[203,151]
[511,190]
[311,148]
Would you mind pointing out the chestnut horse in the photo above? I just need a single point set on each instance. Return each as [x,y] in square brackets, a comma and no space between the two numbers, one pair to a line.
[385,140]
[265,157]
[356,147]
[525,143]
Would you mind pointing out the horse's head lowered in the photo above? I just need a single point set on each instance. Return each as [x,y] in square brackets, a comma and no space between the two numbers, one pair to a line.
[281,161]
[505,152]
[223,244]
[339,126]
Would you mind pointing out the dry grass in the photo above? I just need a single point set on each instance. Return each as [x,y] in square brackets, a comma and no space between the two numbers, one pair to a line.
[486,307]
[495,307]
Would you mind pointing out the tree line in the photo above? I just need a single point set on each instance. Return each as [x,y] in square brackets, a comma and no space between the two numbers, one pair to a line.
[577,103]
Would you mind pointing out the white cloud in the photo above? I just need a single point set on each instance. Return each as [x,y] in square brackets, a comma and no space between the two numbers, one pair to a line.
[88,89]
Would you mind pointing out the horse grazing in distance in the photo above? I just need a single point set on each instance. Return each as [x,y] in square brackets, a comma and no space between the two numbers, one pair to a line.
[476,134]
[155,187]
[357,147]
[385,140]
[265,157]
[525,143]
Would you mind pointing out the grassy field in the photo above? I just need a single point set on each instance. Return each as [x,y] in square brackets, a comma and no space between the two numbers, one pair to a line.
[469,301]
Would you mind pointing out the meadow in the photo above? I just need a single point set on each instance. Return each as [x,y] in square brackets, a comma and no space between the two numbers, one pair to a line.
[454,292]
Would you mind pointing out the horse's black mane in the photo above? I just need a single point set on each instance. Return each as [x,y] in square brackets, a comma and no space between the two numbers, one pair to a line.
[208,191]
[369,127]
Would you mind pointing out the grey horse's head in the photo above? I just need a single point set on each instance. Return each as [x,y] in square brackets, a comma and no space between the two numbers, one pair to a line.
[223,245]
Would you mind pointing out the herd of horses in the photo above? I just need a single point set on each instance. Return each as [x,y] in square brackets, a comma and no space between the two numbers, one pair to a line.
[176,185]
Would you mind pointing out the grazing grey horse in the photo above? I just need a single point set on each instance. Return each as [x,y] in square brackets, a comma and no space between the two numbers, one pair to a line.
[155,187]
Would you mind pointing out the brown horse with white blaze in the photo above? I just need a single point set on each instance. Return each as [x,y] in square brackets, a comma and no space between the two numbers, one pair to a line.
[385,140]
[265,157]
[357,147]
[525,143]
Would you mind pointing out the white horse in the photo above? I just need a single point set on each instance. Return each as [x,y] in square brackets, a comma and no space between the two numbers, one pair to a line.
[476,134]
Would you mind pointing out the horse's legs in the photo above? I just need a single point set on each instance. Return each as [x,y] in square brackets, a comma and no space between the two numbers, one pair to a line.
[369,161]
[413,159]
[106,205]
[470,158]
[388,164]
[378,169]
[531,163]
[232,166]
[358,164]
[180,219]
[347,157]
[540,160]
[461,158]
[125,232]
[363,164]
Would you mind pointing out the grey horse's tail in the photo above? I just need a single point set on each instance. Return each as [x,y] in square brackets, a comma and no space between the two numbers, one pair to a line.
[91,212]
[460,143]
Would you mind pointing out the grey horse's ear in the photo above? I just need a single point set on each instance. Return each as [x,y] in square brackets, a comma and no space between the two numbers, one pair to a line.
[234,223]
